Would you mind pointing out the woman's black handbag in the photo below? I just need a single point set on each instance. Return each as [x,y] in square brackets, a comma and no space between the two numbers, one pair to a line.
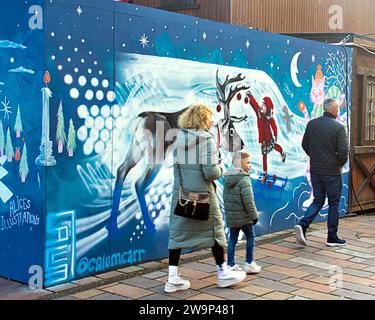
[193,205]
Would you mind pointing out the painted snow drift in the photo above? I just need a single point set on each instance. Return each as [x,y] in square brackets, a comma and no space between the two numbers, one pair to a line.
[73,200]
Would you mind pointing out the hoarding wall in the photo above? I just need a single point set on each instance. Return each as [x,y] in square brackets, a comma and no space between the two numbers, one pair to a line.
[110,65]
[22,185]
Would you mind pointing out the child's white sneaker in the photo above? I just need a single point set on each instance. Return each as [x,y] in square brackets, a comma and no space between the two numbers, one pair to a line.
[176,284]
[236,267]
[227,277]
[252,268]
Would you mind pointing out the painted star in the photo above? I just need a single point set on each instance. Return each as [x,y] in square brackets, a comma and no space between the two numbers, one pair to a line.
[272,65]
[204,36]
[79,10]
[247,44]
[6,108]
[313,58]
[144,41]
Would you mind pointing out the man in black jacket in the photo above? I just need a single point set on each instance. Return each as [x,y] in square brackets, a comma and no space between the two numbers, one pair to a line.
[325,142]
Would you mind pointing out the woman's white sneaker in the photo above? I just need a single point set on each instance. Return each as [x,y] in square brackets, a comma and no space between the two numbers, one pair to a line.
[176,284]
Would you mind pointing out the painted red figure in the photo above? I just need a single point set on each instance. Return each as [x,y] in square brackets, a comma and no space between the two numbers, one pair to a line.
[267,129]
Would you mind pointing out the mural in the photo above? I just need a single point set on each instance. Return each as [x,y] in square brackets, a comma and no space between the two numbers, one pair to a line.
[106,205]
[22,186]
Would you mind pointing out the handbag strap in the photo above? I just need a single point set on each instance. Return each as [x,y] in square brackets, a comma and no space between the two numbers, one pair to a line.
[179,173]
[179,169]
[178,165]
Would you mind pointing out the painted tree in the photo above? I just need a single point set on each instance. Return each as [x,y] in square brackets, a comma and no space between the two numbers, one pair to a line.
[2,139]
[9,147]
[60,132]
[24,167]
[18,125]
[71,139]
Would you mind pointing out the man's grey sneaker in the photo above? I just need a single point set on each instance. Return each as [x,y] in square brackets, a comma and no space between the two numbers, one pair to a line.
[336,242]
[300,235]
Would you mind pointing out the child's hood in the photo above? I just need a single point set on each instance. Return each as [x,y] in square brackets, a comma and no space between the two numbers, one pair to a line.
[233,176]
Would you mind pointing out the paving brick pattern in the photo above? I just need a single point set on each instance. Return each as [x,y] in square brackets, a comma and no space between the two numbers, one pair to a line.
[290,272]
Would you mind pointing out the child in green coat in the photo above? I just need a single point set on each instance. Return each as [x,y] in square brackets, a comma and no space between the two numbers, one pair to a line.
[240,210]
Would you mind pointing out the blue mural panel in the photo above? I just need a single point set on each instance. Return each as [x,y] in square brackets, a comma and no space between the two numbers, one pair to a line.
[80,60]
[109,71]
[22,186]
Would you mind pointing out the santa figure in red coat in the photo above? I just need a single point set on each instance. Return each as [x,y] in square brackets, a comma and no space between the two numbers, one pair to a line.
[267,129]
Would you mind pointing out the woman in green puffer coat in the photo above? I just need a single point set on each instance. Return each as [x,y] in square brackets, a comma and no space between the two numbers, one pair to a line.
[197,162]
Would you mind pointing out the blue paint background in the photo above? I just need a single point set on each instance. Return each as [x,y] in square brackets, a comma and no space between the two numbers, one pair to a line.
[22,247]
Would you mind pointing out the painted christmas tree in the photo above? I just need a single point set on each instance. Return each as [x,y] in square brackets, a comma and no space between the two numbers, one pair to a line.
[2,139]
[9,147]
[18,125]
[24,167]
[60,132]
[71,139]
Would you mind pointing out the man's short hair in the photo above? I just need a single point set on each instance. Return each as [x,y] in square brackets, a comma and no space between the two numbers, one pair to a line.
[240,155]
[328,104]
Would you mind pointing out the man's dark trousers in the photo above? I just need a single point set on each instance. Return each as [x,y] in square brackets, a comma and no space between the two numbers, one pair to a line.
[330,186]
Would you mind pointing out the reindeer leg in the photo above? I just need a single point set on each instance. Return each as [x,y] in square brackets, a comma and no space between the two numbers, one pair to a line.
[140,186]
[133,156]
[159,126]
[122,172]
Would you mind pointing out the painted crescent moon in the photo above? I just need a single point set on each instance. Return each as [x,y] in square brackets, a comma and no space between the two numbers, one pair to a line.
[294,70]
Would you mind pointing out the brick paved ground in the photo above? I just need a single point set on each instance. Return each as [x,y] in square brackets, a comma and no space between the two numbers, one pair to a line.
[290,272]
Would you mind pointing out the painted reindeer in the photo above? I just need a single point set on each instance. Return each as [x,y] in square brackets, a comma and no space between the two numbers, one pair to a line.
[232,141]
[151,122]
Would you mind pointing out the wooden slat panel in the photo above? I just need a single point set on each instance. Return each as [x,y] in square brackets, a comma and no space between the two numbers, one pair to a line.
[285,16]
[303,16]
[368,194]
[218,10]
[365,60]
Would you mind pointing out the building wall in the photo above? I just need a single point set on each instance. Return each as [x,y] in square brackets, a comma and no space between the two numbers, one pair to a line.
[362,60]
[284,16]
[361,154]
[218,10]
[287,16]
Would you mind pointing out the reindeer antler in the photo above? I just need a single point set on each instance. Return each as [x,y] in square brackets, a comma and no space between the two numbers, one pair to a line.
[221,94]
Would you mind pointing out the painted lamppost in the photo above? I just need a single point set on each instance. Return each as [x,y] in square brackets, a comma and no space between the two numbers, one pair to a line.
[45,157]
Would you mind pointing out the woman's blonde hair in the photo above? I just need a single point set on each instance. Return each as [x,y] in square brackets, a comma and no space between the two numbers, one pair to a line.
[195,117]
